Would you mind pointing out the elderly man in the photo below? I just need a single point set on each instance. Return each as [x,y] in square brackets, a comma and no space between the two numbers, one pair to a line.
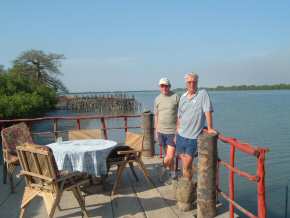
[165,110]
[195,109]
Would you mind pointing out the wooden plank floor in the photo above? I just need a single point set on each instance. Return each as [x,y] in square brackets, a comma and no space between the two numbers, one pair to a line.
[133,199]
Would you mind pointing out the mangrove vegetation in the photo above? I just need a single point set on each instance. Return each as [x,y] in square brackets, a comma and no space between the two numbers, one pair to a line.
[30,86]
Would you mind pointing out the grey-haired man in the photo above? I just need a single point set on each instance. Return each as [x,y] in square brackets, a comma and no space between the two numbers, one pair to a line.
[194,111]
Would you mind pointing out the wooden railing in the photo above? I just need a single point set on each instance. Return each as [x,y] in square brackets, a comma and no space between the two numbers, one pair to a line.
[56,119]
[259,153]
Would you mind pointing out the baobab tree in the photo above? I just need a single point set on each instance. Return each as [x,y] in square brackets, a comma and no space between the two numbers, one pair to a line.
[42,67]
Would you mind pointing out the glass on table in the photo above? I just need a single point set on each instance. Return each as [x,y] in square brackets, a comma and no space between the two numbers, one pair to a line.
[59,139]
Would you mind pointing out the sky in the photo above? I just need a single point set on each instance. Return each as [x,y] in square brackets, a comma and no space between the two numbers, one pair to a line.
[130,45]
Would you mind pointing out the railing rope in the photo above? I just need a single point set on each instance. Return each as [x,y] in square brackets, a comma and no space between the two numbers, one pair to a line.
[250,177]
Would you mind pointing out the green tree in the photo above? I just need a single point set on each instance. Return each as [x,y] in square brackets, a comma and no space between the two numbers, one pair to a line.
[42,67]
[23,97]
[2,69]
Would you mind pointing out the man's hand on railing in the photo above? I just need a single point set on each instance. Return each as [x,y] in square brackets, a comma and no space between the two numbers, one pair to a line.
[210,130]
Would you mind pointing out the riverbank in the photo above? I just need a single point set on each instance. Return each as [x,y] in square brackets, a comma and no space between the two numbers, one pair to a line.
[281,86]
[245,88]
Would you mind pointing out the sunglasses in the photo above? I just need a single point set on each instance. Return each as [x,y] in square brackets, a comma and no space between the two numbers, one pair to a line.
[164,86]
[189,82]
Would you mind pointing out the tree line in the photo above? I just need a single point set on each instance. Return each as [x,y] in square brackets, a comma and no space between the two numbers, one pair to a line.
[252,87]
[31,85]
[281,86]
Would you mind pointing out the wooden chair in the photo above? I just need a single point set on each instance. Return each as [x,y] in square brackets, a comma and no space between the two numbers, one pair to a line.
[12,137]
[86,134]
[43,179]
[128,154]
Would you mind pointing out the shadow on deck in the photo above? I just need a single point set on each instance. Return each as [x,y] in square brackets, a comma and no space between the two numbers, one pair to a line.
[133,199]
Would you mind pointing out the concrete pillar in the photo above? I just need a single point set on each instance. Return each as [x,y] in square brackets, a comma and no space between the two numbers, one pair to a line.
[148,127]
[185,193]
[206,176]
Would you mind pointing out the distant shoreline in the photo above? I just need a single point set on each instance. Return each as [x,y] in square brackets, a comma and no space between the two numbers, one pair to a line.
[246,87]
[218,88]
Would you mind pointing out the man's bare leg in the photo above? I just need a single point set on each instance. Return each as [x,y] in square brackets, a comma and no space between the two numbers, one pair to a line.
[168,163]
[187,165]
[168,160]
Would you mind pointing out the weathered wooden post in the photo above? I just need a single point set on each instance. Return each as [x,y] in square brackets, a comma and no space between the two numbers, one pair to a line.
[206,176]
[148,127]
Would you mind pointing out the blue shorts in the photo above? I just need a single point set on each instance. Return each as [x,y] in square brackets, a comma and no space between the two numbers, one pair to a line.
[186,145]
[166,139]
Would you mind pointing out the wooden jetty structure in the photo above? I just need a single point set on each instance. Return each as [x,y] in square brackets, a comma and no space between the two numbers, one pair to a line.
[140,199]
[117,103]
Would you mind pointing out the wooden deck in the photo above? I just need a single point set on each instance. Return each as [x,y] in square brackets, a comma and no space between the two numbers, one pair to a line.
[134,199]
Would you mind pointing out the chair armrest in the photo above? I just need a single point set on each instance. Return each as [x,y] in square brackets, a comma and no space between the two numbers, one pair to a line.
[70,175]
[128,152]
[26,173]
[10,151]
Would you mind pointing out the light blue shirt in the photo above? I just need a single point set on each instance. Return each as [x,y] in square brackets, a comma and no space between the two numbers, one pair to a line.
[191,114]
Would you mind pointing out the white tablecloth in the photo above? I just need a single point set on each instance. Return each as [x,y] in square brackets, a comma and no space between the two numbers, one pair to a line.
[83,155]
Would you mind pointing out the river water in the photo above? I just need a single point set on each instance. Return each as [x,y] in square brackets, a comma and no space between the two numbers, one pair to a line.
[259,118]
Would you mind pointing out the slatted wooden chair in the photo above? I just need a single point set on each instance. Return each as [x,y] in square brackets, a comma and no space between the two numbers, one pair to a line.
[43,179]
[12,137]
[86,134]
[127,154]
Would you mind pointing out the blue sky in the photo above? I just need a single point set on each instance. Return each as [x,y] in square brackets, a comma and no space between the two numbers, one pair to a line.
[129,45]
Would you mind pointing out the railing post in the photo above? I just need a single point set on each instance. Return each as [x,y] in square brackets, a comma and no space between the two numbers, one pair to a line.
[206,176]
[79,124]
[104,127]
[262,213]
[232,180]
[55,129]
[286,201]
[126,124]
[148,127]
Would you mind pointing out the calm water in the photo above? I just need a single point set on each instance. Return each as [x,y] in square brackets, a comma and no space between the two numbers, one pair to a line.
[258,117]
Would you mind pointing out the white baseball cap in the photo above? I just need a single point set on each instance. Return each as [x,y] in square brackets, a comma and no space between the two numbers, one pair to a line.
[164,81]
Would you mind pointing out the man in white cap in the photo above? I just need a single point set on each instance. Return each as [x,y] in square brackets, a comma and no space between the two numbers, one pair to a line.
[165,110]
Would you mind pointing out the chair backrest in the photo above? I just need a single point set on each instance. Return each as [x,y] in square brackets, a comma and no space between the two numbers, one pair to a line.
[86,134]
[38,164]
[134,141]
[15,135]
